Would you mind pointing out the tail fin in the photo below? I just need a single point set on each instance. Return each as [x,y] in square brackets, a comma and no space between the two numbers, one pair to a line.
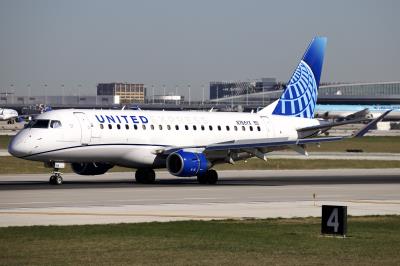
[300,96]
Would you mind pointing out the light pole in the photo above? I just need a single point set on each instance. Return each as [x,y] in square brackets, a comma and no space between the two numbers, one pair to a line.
[29,89]
[202,102]
[152,88]
[12,96]
[164,93]
[79,93]
[189,93]
[45,93]
[62,94]
[247,96]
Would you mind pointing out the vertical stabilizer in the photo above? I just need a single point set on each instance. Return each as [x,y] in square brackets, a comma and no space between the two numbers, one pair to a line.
[300,96]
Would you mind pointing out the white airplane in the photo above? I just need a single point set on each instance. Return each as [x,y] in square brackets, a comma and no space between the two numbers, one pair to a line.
[8,114]
[186,143]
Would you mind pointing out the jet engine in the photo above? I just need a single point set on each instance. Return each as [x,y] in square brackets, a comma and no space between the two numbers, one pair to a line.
[90,168]
[183,163]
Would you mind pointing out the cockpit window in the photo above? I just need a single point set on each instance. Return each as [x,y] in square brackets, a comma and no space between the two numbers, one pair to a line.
[38,123]
[55,124]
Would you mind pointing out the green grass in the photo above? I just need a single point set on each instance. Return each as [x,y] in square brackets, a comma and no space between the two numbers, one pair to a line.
[370,241]
[11,165]
[4,140]
[367,144]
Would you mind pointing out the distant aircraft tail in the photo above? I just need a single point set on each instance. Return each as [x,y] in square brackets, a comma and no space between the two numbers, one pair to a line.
[300,96]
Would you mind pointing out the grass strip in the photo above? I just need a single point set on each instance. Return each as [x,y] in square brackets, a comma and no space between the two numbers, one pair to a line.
[371,241]
[12,165]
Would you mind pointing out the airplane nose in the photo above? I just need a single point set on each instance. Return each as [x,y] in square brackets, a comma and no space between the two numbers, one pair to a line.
[18,147]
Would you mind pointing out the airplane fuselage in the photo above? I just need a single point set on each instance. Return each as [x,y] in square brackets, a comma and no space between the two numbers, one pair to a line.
[132,138]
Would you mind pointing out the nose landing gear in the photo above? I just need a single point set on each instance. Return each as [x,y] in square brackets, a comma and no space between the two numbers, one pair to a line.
[56,178]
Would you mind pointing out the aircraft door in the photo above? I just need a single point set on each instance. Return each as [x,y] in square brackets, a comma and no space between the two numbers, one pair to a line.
[268,125]
[86,127]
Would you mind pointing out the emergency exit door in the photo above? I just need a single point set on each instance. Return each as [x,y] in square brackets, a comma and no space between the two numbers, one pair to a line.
[86,127]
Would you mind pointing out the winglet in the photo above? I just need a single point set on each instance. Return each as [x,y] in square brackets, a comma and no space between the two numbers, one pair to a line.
[365,129]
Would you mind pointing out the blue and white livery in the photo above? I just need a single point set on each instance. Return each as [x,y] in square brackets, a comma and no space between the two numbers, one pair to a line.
[300,96]
[185,143]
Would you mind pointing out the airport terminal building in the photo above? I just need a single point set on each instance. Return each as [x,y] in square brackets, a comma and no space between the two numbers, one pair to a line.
[344,93]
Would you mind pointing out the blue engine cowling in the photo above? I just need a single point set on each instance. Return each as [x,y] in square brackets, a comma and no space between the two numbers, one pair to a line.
[183,163]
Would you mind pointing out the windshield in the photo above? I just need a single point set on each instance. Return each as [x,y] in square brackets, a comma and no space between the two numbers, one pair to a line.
[38,123]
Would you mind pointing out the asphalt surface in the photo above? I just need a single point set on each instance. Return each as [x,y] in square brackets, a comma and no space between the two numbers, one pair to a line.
[115,198]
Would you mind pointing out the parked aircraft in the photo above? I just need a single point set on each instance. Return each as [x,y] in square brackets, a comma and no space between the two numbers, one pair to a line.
[186,143]
[8,115]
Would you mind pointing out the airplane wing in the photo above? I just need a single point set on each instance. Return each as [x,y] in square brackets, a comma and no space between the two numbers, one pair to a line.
[272,142]
[316,130]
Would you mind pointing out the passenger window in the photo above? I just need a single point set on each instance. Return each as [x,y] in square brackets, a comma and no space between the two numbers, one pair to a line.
[210,127]
[101,126]
[202,127]
[135,126]
[227,128]
[176,127]
[243,128]
[186,127]
[55,124]
[160,127]
[219,127]
[144,127]
[126,126]
[118,126]
[168,127]
[109,126]
[235,128]
[194,127]
[152,127]
[259,128]
[251,128]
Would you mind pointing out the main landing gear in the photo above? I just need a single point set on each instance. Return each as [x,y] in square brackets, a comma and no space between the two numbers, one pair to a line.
[145,176]
[209,177]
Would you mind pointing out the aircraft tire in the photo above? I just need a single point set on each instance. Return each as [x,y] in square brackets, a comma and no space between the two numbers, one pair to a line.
[202,179]
[145,176]
[58,180]
[209,177]
[212,177]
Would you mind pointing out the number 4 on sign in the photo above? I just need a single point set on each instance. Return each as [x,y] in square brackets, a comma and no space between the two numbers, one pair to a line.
[333,220]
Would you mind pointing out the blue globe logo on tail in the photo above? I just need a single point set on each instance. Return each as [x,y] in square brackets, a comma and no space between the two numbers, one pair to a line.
[300,96]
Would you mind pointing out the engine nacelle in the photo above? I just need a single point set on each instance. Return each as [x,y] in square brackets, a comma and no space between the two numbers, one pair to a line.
[90,168]
[183,163]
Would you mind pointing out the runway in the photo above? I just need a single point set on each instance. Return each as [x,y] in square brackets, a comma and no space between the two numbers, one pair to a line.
[115,198]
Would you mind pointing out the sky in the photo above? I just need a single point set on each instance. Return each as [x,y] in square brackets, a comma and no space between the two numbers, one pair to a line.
[176,43]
